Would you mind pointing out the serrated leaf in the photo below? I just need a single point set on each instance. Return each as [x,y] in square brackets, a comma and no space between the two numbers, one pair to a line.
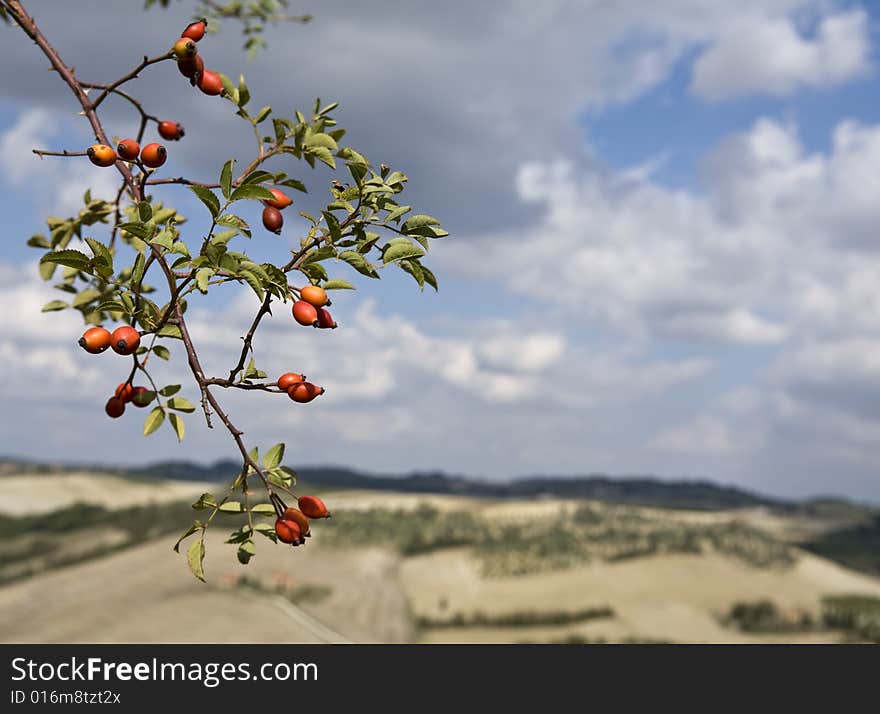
[169,331]
[274,456]
[251,279]
[226,178]
[258,176]
[323,155]
[244,95]
[415,269]
[137,271]
[136,228]
[195,557]
[429,278]
[69,258]
[246,551]
[54,305]
[164,239]
[206,500]
[265,508]
[177,424]
[260,193]
[203,276]
[162,352]
[209,198]
[358,262]
[189,531]
[321,140]
[154,420]
[396,213]
[418,221]
[231,91]
[99,250]
[181,404]
[401,251]
[84,297]
[338,285]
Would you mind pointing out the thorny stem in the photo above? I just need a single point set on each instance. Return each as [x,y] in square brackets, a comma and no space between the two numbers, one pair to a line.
[209,399]
[146,62]
[63,152]
[136,190]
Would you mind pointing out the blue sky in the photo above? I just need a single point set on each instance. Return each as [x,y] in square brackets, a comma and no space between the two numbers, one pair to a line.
[663,256]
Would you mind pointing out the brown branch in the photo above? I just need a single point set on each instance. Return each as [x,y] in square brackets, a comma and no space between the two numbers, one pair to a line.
[249,337]
[125,95]
[30,28]
[146,62]
[196,368]
[63,152]
[180,180]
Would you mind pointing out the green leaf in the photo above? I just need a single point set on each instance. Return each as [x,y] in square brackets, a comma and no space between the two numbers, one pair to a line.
[86,296]
[169,331]
[251,191]
[274,456]
[137,271]
[258,176]
[176,422]
[209,198]
[251,279]
[231,507]
[418,221]
[169,390]
[39,241]
[164,239]
[265,508]
[206,500]
[358,262]
[154,420]
[145,211]
[99,250]
[231,91]
[162,352]
[202,278]
[189,531]
[136,228]
[226,178]
[396,213]
[338,285]
[69,258]
[246,551]
[244,95]
[195,557]
[181,404]
[323,155]
[429,278]
[262,114]
[321,140]
[414,268]
[400,251]
[54,305]
[46,269]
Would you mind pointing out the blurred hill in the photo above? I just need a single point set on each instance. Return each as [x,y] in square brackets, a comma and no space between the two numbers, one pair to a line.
[435,558]
[635,490]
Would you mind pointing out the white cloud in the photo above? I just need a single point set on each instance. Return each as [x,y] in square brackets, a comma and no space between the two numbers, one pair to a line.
[58,182]
[755,53]
[703,435]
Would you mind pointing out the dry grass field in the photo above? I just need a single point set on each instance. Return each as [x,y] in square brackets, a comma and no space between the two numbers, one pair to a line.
[410,568]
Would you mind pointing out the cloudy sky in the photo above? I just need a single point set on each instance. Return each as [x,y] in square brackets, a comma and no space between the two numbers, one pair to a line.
[664,254]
